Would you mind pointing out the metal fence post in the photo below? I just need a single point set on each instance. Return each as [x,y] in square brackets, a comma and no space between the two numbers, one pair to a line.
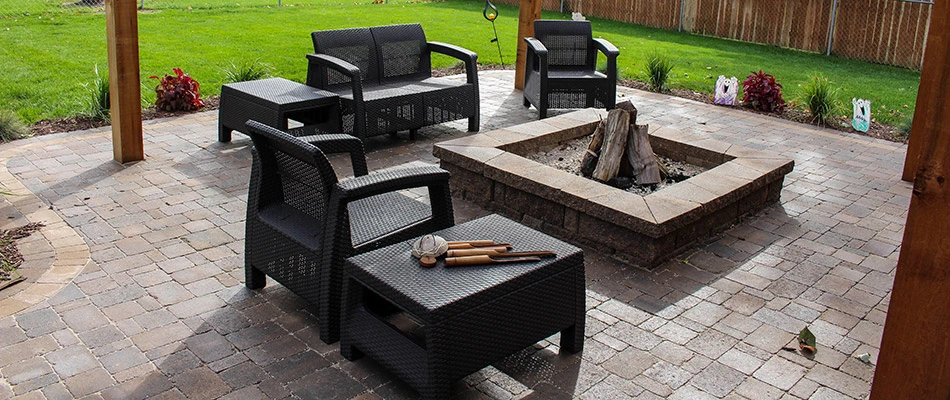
[831,27]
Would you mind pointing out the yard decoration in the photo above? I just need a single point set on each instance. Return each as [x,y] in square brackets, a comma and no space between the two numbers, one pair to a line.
[491,16]
[177,93]
[862,114]
[726,90]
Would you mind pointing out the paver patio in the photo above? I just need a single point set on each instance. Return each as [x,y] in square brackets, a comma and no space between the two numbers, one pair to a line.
[141,292]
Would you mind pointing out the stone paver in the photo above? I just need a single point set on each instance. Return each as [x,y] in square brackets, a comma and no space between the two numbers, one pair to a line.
[144,296]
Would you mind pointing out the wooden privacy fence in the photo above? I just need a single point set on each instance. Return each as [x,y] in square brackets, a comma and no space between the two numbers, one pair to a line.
[890,32]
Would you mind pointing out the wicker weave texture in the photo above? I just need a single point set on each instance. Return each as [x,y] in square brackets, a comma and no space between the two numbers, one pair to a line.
[560,69]
[384,79]
[471,316]
[272,101]
[302,223]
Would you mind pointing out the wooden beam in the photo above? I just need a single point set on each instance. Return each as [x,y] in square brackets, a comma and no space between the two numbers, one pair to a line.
[124,91]
[915,351]
[529,10]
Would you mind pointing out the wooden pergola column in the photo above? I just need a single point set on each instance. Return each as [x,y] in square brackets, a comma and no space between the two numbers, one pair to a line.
[125,95]
[529,10]
[915,351]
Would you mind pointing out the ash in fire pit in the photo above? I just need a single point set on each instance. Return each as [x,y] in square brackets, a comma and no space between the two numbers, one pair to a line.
[619,154]
[567,157]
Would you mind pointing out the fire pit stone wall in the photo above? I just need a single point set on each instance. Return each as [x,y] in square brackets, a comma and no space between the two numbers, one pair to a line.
[490,169]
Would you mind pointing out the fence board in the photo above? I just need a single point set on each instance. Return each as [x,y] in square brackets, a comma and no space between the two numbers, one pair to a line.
[884,31]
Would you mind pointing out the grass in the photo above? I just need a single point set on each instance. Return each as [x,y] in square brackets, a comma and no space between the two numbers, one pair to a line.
[658,71]
[821,98]
[98,102]
[11,128]
[205,39]
[246,71]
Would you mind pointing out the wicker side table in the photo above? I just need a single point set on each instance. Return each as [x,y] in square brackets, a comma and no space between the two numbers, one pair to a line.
[434,326]
[272,101]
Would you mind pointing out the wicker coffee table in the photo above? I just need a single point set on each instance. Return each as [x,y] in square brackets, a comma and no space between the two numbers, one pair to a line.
[272,101]
[434,326]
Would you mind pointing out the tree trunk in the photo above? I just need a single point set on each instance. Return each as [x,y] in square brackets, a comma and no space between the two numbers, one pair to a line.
[615,142]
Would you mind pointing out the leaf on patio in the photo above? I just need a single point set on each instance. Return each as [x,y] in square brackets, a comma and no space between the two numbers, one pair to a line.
[807,341]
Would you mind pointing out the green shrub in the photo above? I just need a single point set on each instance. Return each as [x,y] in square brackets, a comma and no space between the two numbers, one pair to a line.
[246,71]
[821,99]
[99,96]
[658,71]
[903,128]
[11,128]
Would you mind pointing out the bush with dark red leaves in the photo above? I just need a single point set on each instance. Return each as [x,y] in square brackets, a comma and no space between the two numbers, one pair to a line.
[178,92]
[761,92]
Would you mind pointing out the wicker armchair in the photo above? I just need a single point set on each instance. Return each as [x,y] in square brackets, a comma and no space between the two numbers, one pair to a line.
[560,68]
[384,79]
[302,223]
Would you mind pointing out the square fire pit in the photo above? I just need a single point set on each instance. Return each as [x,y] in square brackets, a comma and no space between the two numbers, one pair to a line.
[491,170]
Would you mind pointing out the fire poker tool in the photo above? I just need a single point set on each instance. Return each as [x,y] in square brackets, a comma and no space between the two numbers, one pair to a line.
[471,244]
[484,260]
[494,253]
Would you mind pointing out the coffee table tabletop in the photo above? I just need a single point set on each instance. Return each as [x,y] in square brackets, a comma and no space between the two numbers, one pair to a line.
[434,293]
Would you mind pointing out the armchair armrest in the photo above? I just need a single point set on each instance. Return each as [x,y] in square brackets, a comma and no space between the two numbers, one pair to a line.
[340,143]
[611,52]
[384,182]
[348,70]
[336,64]
[606,47]
[461,53]
[435,178]
[535,46]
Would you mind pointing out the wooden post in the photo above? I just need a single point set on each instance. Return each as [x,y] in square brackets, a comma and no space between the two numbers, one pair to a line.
[528,11]
[124,92]
[915,351]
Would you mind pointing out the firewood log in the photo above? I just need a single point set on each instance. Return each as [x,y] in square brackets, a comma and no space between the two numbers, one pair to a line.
[630,109]
[593,150]
[615,142]
[641,157]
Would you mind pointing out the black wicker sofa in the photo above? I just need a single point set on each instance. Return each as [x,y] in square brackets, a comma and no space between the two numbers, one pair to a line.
[384,78]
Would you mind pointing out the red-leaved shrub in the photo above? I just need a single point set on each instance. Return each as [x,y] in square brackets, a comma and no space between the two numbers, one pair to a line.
[177,93]
[762,92]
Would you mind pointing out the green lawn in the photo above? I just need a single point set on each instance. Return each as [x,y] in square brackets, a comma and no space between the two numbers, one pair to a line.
[48,58]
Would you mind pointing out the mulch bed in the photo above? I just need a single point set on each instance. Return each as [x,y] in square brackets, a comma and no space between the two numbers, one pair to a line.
[10,257]
[78,123]
[876,130]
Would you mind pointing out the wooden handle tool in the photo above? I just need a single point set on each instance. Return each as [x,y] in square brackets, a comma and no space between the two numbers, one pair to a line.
[484,260]
[473,243]
[496,246]
[494,253]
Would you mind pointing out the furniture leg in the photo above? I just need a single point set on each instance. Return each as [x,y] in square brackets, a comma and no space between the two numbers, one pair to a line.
[224,133]
[412,134]
[525,102]
[437,391]
[253,278]
[349,352]
[473,123]
[572,339]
